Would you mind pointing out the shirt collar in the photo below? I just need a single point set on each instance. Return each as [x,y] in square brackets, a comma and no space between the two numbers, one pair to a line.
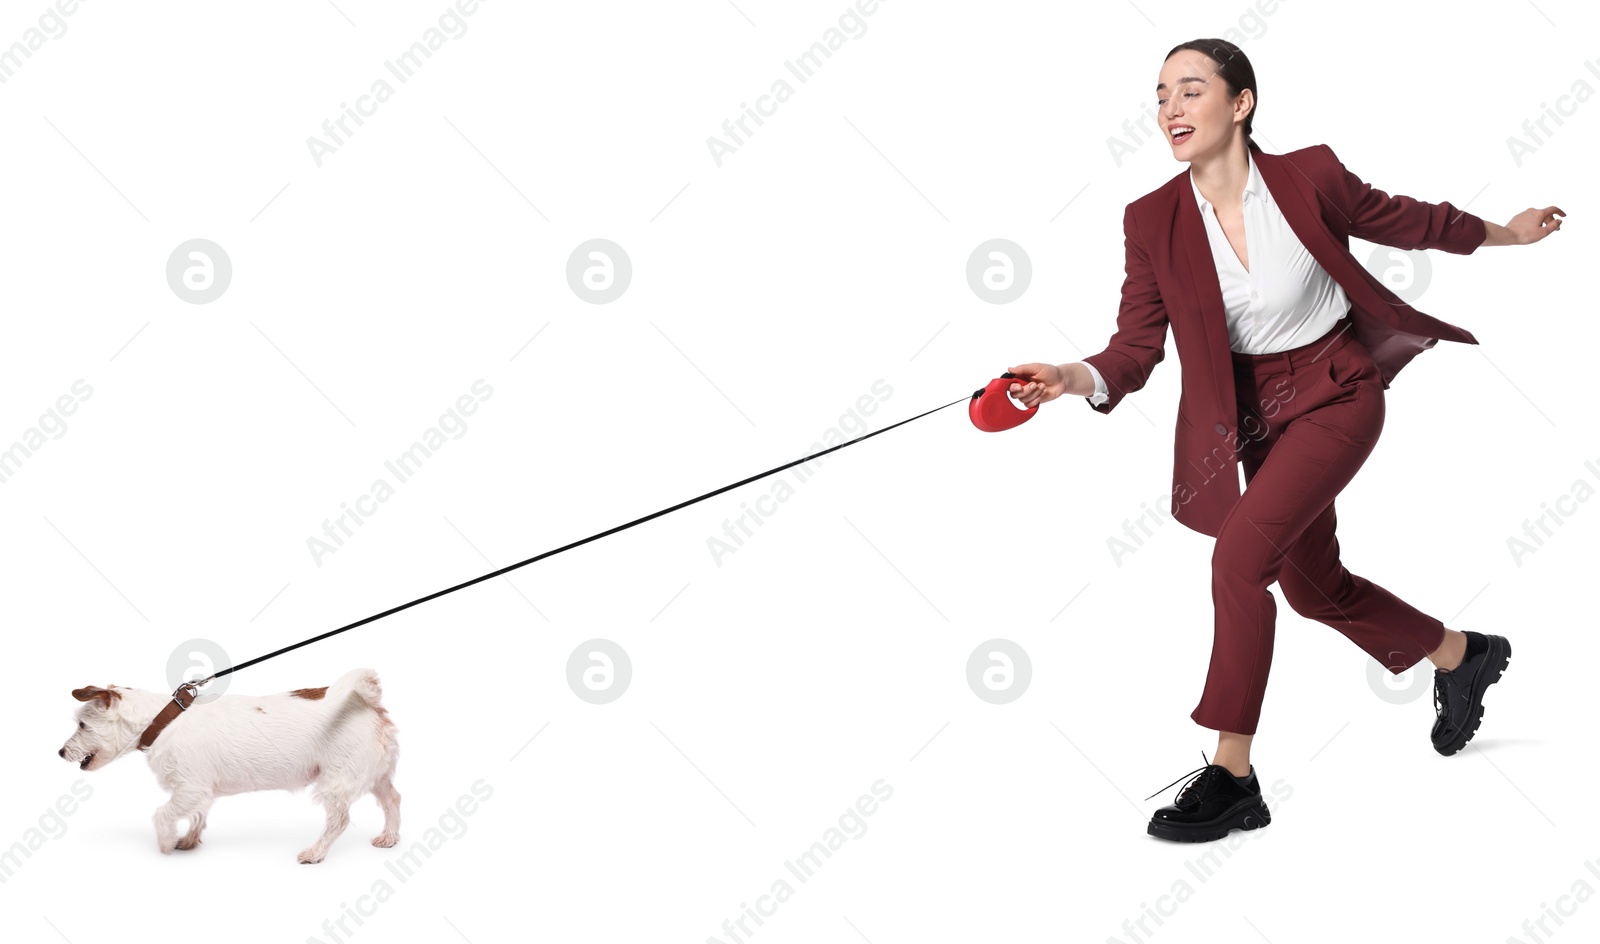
[1253,185]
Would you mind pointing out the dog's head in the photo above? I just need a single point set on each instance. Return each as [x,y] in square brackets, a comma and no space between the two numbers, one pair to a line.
[104,730]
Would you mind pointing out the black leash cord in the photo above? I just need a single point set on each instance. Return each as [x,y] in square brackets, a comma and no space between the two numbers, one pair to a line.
[506,570]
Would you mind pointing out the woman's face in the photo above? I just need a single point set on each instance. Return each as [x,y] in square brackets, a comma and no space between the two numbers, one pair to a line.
[1190,94]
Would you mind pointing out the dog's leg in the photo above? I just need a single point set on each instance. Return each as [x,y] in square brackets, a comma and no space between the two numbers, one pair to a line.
[185,802]
[338,806]
[197,822]
[389,799]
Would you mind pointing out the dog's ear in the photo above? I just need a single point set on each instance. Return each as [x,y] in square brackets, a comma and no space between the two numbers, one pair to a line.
[94,692]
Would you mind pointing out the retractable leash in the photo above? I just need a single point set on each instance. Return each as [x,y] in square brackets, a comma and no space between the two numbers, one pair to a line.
[990,410]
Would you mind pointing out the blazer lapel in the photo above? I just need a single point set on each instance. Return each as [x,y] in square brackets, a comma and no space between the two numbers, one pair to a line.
[1203,277]
[1284,180]
[1388,327]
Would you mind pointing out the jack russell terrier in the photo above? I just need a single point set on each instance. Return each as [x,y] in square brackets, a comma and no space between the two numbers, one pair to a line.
[338,737]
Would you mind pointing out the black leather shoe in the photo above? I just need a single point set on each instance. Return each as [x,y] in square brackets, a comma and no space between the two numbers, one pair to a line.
[1209,806]
[1458,695]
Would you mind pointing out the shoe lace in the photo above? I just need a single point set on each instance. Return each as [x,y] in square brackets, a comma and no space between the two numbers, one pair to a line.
[1441,698]
[1199,774]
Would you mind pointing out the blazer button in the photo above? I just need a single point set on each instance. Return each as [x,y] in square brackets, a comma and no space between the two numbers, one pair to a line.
[1222,430]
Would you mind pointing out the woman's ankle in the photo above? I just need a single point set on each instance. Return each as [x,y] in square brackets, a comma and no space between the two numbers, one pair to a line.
[1450,652]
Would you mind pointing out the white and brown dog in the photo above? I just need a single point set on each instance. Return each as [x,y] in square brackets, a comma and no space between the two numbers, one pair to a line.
[338,737]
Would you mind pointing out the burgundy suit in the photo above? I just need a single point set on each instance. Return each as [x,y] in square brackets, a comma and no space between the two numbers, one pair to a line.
[1171,278]
[1326,411]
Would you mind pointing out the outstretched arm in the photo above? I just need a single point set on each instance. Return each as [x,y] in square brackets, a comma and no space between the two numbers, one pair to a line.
[1406,222]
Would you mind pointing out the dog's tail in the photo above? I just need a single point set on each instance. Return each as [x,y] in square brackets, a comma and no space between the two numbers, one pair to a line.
[362,683]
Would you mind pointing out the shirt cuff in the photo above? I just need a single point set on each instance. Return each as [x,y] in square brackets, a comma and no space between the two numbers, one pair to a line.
[1100,396]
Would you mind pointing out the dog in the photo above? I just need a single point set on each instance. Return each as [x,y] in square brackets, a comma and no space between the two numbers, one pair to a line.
[338,737]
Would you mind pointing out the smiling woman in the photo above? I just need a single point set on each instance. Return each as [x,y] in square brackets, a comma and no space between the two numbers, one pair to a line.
[1208,118]
[1252,24]
[1288,345]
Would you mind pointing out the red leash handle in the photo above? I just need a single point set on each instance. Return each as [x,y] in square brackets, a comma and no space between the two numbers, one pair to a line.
[992,409]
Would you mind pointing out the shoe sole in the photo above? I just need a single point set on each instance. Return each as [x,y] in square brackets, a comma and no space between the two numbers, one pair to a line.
[1496,667]
[1248,814]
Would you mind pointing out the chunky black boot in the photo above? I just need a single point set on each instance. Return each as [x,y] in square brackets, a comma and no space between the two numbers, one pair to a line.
[1458,693]
[1210,805]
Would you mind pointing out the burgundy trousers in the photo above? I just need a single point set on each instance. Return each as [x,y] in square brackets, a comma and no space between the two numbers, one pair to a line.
[1308,419]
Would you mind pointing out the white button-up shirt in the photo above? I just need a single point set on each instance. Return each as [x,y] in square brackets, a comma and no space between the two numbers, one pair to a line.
[1284,300]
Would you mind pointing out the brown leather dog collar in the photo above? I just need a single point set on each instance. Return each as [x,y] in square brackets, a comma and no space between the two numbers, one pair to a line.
[168,712]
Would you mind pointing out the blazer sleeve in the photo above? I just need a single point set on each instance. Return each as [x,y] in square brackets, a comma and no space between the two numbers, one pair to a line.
[1140,340]
[1405,222]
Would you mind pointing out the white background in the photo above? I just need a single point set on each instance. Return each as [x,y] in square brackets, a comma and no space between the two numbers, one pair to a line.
[829,651]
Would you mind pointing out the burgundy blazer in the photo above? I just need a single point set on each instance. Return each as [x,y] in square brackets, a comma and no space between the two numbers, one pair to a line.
[1172,279]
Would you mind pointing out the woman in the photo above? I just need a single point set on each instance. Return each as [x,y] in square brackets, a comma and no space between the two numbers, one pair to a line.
[1287,346]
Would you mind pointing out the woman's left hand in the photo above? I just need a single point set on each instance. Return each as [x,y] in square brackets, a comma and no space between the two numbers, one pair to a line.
[1532,224]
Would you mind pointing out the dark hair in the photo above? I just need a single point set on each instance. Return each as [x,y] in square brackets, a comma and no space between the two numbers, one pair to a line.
[1234,68]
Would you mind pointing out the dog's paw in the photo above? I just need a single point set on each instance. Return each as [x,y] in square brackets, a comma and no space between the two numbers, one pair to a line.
[188,842]
[310,856]
[385,840]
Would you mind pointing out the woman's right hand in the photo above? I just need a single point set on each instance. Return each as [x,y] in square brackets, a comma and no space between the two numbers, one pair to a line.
[1036,383]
